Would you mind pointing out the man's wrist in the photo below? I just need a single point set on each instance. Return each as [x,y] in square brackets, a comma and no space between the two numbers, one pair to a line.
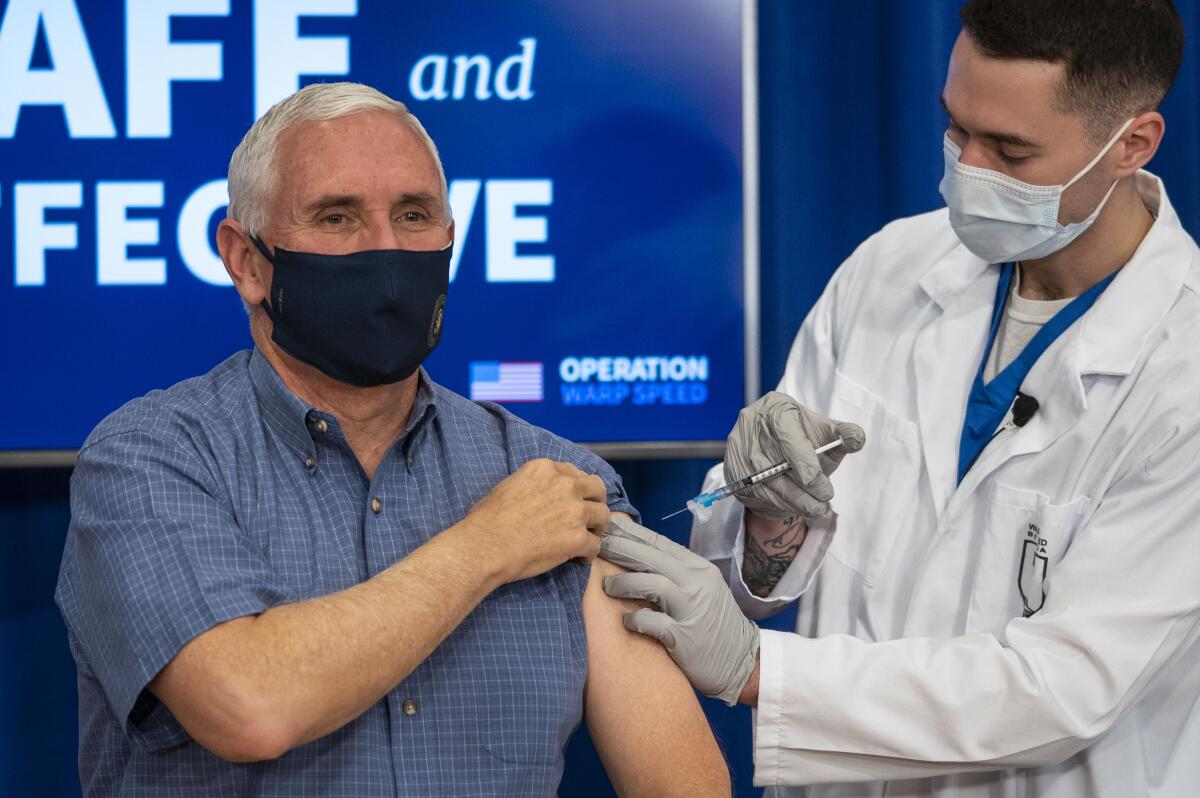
[770,547]
[488,562]
[764,529]
[749,694]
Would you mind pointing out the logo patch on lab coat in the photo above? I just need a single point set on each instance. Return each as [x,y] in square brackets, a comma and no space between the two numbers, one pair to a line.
[1032,574]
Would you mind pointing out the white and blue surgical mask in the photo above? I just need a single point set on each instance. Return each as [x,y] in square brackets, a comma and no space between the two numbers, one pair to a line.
[1002,219]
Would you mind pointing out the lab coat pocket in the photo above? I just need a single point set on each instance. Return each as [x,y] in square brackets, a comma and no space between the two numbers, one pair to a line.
[1025,534]
[884,474]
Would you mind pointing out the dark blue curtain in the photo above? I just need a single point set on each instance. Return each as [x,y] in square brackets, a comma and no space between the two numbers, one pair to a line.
[851,138]
[37,675]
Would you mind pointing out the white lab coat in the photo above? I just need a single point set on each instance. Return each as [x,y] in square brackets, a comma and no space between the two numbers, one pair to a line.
[914,663]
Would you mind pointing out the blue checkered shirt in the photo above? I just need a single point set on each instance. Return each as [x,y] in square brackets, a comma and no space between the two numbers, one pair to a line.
[226,495]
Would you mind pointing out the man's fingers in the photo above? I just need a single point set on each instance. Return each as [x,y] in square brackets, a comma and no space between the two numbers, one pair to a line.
[797,449]
[788,499]
[597,516]
[813,509]
[654,624]
[770,449]
[820,488]
[591,487]
[589,548]
[739,462]
[655,588]
[623,527]
[631,554]
[767,494]
[637,556]
[853,437]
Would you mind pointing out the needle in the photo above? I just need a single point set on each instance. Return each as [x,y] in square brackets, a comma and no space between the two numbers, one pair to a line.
[701,504]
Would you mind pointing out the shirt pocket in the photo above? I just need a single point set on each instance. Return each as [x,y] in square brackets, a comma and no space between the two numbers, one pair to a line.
[1025,534]
[530,696]
[873,489]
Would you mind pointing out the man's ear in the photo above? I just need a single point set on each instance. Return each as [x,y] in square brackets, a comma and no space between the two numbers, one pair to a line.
[1141,142]
[249,270]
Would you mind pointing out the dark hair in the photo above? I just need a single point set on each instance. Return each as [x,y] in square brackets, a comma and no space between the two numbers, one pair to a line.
[1121,56]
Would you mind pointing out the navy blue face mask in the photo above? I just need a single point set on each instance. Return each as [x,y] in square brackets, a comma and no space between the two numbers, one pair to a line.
[367,318]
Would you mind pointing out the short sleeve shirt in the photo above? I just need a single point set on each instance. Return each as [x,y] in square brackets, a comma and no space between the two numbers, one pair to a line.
[227,495]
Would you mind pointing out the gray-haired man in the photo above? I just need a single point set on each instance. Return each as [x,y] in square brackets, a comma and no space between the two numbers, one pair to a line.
[313,571]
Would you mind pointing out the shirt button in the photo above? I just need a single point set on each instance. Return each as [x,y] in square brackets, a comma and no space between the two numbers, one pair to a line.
[310,462]
[321,426]
[410,707]
[376,505]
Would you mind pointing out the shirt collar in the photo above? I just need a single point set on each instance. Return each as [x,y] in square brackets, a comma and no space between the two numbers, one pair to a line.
[424,407]
[285,413]
[293,419]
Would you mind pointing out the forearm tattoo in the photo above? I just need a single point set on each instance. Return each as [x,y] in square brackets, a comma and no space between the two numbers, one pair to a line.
[765,563]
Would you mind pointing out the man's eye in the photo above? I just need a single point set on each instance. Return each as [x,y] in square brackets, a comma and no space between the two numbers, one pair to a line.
[413,216]
[335,218]
[1013,160]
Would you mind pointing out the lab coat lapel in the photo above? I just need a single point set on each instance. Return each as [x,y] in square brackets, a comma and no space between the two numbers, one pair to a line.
[1056,383]
[945,358]
[1117,328]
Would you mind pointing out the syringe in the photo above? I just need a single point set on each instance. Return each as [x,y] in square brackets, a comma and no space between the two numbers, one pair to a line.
[701,506]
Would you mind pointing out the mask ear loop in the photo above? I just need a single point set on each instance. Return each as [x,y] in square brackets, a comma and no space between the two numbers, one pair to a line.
[1095,161]
[950,146]
[266,253]
[1099,156]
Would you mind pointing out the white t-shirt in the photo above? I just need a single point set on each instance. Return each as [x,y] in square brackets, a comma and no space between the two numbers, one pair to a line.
[1021,321]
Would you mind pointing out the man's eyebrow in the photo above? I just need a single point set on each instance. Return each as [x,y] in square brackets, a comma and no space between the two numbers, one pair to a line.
[332,201]
[1011,139]
[419,198]
[342,200]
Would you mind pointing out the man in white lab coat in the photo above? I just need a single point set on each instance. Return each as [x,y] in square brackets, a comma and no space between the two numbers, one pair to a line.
[1006,601]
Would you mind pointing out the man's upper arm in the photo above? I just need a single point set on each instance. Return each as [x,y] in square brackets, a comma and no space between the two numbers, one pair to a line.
[642,713]
[153,559]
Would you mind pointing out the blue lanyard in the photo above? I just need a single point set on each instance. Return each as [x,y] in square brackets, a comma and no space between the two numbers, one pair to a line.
[988,403]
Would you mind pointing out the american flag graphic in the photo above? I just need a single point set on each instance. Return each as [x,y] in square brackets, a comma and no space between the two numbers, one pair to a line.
[498,381]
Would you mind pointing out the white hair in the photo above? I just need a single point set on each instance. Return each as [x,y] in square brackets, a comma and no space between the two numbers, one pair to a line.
[252,169]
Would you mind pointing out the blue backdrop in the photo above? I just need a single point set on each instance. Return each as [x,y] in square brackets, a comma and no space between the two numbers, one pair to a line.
[851,138]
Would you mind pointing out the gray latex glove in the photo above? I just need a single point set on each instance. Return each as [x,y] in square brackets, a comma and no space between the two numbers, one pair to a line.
[700,626]
[776,429]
